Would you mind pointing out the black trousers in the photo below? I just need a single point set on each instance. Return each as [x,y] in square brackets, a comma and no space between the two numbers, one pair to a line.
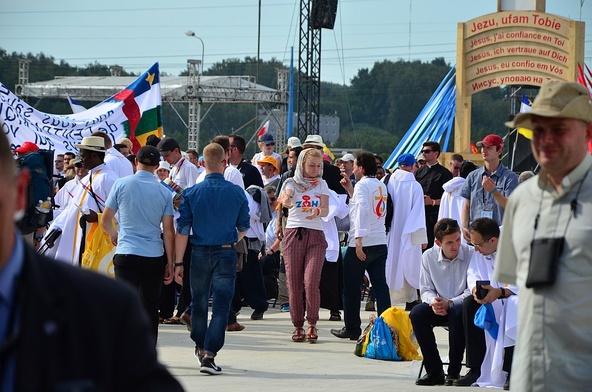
[424,320]
[431,221]
[185,295]
[474,336]
[146,275]
[251,278]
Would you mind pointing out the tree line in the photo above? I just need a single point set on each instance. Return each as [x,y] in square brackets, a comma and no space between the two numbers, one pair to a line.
[375,109]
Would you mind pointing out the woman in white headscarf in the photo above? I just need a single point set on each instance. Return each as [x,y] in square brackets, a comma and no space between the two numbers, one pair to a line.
[306,196]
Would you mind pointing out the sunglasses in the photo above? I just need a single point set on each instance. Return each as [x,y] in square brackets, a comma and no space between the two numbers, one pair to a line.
[270,144]
[444,226]
[456,167]
[272,199]
[426,151]
[478,246]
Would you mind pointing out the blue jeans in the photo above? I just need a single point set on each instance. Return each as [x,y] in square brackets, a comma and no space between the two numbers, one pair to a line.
[213,269]
[353,275]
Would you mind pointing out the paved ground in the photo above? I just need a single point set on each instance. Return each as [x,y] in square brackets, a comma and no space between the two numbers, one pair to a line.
[263,357]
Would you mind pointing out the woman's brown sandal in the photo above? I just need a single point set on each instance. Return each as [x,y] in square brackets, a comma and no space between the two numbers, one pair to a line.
[311,334]
[298,335]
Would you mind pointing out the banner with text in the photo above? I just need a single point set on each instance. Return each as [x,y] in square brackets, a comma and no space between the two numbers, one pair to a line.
[526,48]
[134,112]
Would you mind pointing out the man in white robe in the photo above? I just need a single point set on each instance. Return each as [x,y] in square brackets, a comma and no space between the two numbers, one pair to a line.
[66,193]
[495,362]
[88,199]
[115,160]
[407,232]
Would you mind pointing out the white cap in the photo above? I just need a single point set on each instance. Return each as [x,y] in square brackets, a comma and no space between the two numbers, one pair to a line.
[294,142]
[348,157]
[164,165]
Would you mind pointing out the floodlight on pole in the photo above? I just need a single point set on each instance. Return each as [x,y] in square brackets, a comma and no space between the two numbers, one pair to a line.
[190,33]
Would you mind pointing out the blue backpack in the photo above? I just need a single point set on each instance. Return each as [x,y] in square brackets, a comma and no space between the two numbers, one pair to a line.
[40,167]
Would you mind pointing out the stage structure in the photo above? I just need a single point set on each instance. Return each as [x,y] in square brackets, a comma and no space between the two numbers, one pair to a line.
[314,16]
[205,90]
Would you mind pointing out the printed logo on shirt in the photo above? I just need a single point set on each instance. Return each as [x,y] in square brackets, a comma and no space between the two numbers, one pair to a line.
[379,203]
[306,204]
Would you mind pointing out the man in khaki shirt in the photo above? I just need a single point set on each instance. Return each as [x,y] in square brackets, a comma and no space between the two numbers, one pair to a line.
[553,347]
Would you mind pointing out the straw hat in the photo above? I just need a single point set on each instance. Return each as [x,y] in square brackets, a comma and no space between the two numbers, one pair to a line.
[92,143]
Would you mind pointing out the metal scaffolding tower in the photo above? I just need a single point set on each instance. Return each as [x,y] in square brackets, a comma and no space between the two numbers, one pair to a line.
[23,75]
[195,100]
[309,76]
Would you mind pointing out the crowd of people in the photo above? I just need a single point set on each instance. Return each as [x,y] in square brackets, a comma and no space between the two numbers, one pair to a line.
[213,228]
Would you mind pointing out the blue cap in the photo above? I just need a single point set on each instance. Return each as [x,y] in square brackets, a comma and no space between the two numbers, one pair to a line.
[406,159]
[266,138]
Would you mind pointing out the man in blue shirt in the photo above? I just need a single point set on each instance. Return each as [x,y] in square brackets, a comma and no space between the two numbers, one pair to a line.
[143,204]
[218,213]
[487,189]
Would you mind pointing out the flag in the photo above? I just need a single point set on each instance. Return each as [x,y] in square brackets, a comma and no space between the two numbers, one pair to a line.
[264,129]
[134,112]
[328,155]
[75,105]
[142,106]
[525,106]
[585,78]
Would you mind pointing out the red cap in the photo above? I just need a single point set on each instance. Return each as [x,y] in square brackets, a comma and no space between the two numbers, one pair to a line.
[491,140]
[26,148]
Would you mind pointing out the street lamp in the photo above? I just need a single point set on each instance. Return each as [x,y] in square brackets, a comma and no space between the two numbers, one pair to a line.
[190,33]
[194,104]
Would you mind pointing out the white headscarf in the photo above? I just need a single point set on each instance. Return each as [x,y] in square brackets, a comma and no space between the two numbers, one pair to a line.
[302,183]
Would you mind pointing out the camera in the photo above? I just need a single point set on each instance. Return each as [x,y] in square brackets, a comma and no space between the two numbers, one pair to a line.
[481,292]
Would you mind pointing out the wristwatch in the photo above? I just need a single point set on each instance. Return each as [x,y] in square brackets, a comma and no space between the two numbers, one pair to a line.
[178,264]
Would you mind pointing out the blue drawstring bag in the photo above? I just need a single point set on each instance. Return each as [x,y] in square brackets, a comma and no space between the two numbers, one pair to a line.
[485,318]
[380,342]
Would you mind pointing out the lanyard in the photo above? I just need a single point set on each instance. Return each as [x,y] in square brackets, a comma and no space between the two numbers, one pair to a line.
[176,169]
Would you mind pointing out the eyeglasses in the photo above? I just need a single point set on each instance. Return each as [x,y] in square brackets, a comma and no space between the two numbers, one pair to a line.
[444,226]
[456,167]
[426,151]
[481,244]
[270,144]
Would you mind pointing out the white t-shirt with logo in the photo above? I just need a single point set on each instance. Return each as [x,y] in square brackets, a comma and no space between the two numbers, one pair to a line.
[303,205]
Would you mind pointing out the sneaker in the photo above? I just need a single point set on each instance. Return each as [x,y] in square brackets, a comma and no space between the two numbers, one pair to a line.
[208,366]
[285,308]
[198,356]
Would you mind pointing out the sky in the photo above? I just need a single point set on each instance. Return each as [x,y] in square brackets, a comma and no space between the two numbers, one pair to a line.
[136,34]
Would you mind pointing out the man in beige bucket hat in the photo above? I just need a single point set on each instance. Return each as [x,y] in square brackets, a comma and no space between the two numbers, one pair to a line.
[546,245]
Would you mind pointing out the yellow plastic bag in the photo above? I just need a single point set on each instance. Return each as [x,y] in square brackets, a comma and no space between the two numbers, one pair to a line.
[99,251]
[399,319]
